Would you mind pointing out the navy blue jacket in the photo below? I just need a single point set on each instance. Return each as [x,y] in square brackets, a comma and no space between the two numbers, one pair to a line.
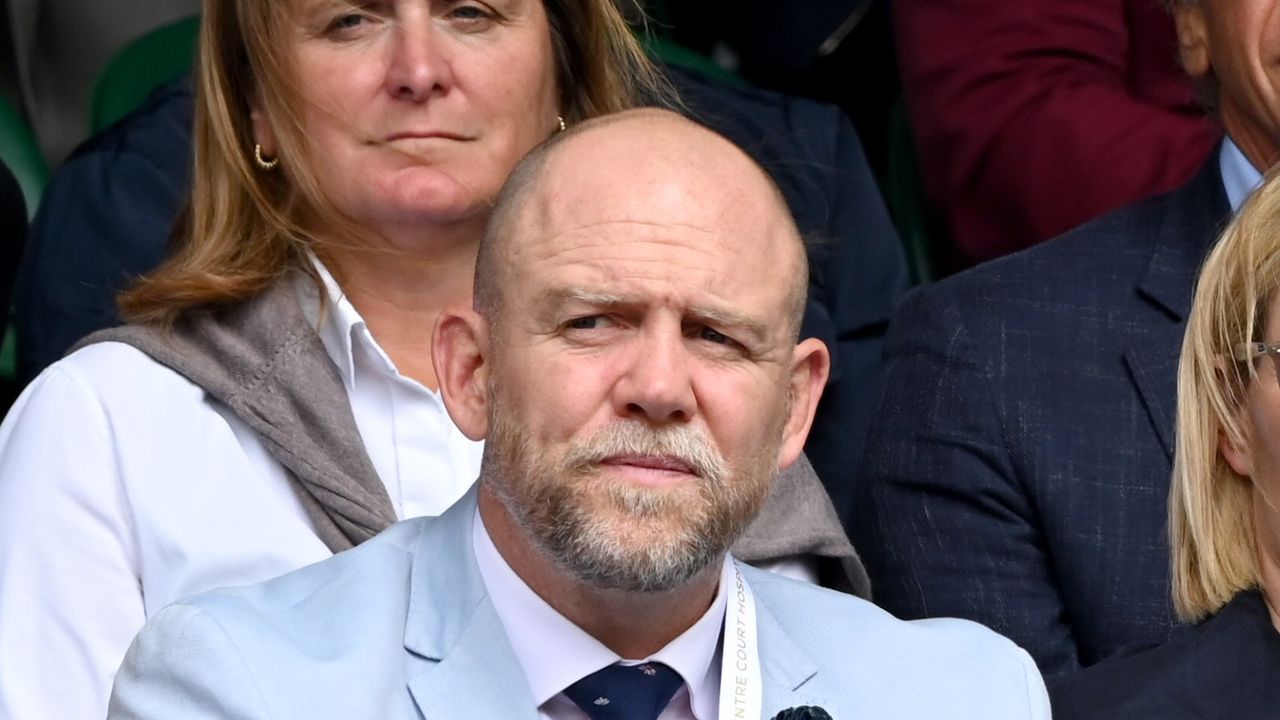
[1019,464]
[105,218]
[1226,667]
[108,213]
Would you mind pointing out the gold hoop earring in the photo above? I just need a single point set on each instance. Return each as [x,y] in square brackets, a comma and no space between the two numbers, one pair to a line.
[264,163]
[560,119]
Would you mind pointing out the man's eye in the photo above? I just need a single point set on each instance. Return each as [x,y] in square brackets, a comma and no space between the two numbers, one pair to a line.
[715,336]
[589,322]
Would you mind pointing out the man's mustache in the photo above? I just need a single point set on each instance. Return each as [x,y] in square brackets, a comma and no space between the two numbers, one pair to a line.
[689,446]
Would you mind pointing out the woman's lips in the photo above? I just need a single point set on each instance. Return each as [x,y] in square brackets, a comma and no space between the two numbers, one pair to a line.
[426,135]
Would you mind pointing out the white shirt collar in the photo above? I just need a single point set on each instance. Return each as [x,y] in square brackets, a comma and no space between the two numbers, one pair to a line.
[1239,176]
[341,327]
[554,653]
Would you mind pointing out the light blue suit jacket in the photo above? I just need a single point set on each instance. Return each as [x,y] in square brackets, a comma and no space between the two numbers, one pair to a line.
[402,627]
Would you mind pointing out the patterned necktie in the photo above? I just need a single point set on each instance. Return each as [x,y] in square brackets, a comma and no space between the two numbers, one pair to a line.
[626,692]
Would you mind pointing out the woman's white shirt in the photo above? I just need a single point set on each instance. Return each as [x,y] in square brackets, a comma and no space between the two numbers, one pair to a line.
[123,488]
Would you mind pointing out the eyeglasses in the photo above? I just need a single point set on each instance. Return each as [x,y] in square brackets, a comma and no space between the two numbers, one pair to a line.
[1245,352]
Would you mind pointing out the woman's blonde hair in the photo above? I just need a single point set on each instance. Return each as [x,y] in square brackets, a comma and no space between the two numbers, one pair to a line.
[1211,522]
[242,228]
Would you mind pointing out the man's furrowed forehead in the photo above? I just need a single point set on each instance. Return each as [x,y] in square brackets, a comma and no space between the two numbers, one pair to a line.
[624,246]
[630,254]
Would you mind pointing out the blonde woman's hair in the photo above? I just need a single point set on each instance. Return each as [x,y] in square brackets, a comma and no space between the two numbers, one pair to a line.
[1211,523]
[242,228]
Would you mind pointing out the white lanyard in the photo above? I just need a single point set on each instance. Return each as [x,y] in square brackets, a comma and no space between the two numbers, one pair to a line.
[740,686]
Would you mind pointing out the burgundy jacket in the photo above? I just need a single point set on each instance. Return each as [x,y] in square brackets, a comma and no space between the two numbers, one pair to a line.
[1034,116]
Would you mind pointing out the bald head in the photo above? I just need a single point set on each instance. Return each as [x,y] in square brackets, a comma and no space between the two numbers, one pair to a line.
[644,167]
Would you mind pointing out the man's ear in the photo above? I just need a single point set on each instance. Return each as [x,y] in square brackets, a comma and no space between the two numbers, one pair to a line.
[460,353]
[810,367]
[1193,38]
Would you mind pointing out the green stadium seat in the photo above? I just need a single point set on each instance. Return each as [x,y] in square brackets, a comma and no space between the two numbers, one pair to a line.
[19,151]
[152,60]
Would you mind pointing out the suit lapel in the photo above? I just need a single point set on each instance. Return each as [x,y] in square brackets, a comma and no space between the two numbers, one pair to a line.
[478,678]
[461,662]
[790,677]
[1192,218]
[1153,363]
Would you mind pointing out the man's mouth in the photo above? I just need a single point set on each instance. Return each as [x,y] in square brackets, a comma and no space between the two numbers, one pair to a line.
[654,468]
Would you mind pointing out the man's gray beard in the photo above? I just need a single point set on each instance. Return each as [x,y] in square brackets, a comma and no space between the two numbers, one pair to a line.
[644,551]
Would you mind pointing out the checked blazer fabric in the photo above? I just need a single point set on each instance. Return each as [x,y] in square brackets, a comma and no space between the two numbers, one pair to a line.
[1019,467]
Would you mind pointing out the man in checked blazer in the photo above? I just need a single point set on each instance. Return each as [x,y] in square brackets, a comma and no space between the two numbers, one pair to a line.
[1019,467]
[633,363]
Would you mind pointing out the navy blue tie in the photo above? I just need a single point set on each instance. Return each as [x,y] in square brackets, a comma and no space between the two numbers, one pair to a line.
[626,692]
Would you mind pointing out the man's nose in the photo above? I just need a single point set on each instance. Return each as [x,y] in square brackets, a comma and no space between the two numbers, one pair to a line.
[419,63]
[657,384]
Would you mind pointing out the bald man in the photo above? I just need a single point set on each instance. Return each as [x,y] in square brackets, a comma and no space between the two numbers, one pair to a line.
[632,363]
